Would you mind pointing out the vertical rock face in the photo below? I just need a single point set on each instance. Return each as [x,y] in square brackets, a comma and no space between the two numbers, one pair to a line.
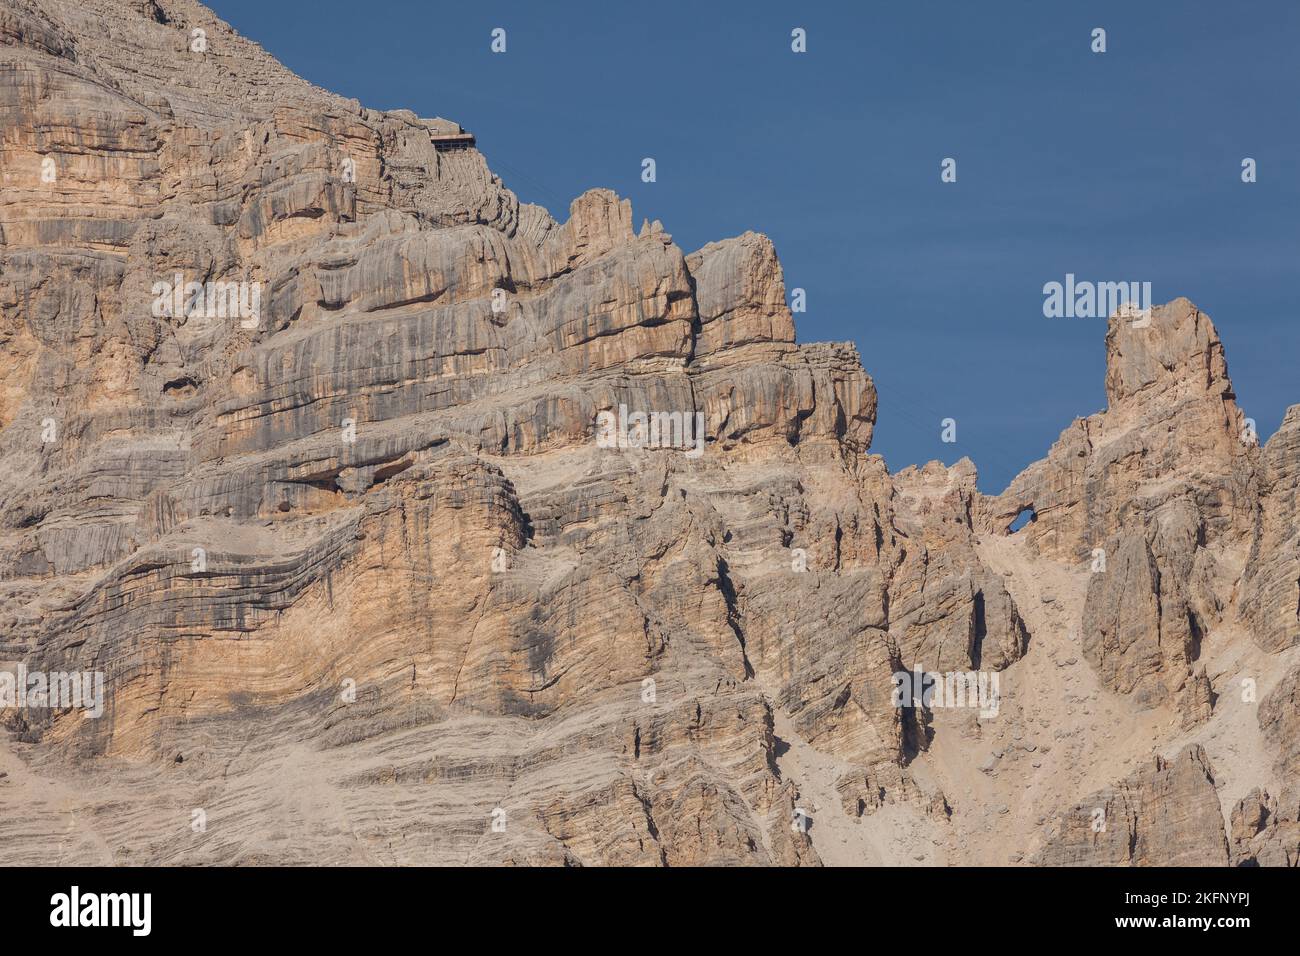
[406,524]
[1165,815]
[1265,828]
[740,295]
[947,608]
[1271,584]
[1142,626]
[1158,495]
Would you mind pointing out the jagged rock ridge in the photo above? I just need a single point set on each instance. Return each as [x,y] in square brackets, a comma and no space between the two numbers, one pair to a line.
[366,585]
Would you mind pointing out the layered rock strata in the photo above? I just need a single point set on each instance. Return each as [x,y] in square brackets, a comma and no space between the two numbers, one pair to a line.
[406,524]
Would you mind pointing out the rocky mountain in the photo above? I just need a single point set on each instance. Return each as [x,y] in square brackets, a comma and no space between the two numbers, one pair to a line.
[405,524]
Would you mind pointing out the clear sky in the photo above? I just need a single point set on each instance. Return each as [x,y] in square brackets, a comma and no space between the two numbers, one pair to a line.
[1119,166]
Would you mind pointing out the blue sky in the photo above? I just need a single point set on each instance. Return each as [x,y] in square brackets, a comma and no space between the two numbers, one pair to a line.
[1117,166]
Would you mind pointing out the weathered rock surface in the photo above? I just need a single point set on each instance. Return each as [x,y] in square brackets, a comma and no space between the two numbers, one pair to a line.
[1264,834]
[366,584]
[1172,431]
[1271,584]
[1165,815]
[1158,495]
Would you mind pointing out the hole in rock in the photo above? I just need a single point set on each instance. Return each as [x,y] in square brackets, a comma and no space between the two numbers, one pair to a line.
[180,386]
[1025,516]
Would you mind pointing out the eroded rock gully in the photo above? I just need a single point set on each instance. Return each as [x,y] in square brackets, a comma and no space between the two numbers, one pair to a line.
[364,587]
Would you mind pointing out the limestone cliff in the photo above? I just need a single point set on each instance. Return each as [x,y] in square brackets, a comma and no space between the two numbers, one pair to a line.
[377,498]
